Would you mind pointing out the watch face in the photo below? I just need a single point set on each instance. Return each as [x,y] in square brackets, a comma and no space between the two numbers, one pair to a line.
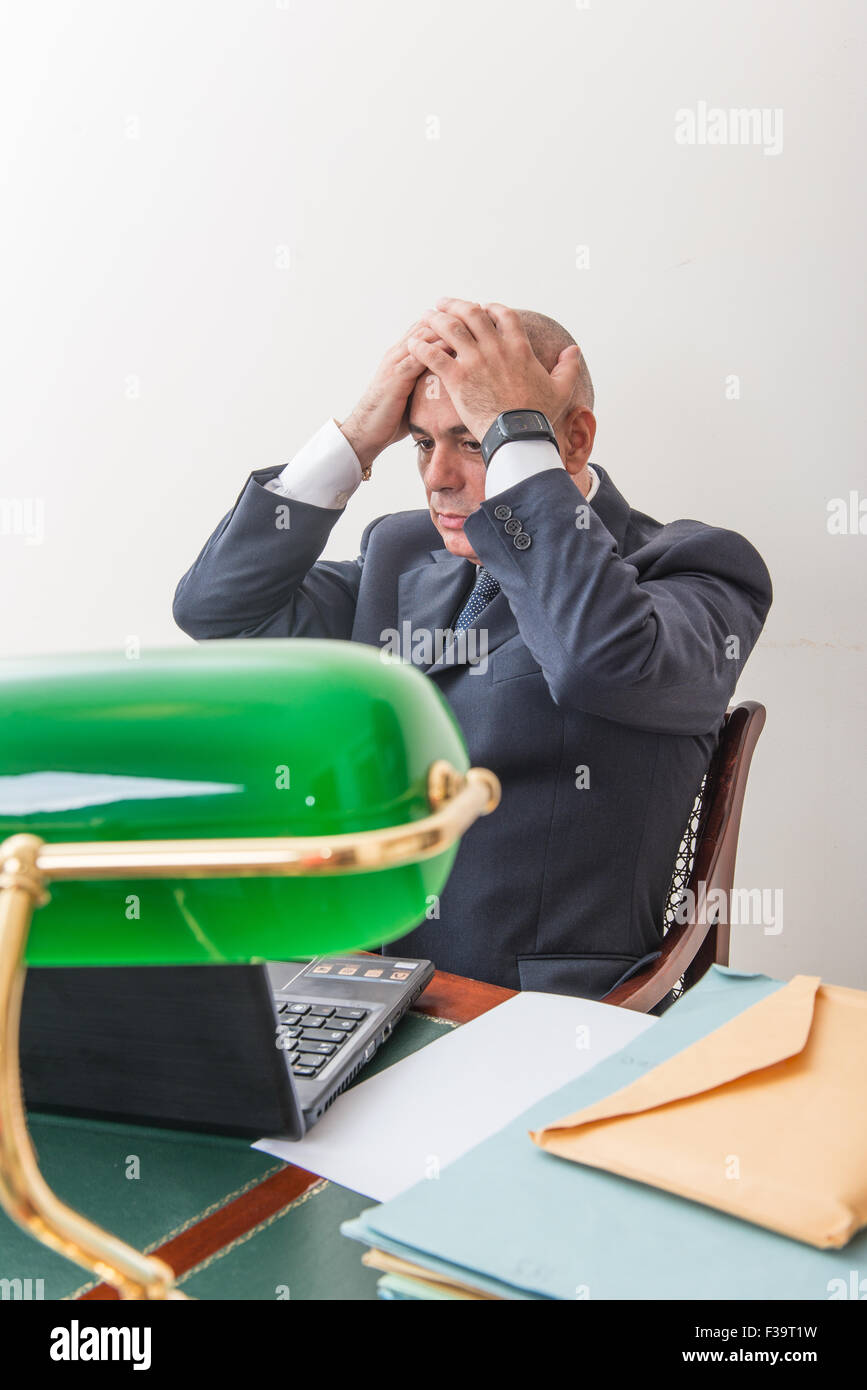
[525,421]
[515,424]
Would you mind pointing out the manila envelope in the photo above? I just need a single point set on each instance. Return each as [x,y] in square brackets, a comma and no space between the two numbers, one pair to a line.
[764,1118]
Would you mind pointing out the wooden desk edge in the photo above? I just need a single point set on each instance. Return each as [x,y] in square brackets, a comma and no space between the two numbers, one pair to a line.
[447,996]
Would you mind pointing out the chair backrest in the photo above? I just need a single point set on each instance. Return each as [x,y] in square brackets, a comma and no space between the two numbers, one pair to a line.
[693,937]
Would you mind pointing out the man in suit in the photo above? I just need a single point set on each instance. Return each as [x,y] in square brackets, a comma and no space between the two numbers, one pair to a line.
[606,644]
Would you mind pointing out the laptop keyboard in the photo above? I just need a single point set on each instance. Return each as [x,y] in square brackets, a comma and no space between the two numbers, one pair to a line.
[311,1034]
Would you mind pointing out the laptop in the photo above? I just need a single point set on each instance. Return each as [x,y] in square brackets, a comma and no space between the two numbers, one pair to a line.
[247,1050]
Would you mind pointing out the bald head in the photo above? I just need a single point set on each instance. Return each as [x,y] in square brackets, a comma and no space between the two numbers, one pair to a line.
[548,338]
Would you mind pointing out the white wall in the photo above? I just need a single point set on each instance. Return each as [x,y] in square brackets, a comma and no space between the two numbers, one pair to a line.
[160,162]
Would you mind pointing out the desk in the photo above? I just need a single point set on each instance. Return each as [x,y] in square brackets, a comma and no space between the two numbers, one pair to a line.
[232,1222]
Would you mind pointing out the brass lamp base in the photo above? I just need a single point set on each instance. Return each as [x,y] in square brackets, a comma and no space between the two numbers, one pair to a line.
[27,863]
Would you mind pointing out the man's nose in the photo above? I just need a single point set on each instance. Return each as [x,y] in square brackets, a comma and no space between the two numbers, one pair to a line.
[444,469]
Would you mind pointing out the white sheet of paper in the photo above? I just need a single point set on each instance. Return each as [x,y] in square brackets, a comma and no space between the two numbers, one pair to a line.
[412,1119]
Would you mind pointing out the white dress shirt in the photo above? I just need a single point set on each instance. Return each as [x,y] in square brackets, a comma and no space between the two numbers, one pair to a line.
[326,471]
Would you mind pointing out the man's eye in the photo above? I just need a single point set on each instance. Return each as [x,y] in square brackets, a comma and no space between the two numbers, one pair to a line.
[473,445]
[425,445]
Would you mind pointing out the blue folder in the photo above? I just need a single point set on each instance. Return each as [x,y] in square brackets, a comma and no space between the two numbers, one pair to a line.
[516,1221]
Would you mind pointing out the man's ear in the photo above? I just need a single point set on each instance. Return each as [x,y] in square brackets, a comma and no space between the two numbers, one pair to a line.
[578,431]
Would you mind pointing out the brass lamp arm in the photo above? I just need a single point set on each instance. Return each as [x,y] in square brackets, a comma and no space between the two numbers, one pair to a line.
[27,864]
[459,800]
[24,1193]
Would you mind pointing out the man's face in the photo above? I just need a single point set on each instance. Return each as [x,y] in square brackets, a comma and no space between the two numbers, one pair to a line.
[449,461]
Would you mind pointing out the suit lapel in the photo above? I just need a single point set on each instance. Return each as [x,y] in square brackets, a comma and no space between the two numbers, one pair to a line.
[428,600]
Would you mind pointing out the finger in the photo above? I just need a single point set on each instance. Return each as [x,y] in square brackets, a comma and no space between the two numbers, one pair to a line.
[410,364]
[426,334]
[436,359]
[430,334]
[400,345]
[469,312]
[400,351]
[408,367]
[452,329]
[507,320]
[567,369]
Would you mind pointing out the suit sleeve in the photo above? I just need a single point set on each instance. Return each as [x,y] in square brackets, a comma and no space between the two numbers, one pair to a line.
[658,647]
[259,575]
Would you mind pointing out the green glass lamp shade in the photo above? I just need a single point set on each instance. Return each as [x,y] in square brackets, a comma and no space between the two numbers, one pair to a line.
[223,740]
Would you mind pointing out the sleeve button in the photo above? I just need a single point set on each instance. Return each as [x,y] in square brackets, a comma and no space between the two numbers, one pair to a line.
[513,526]
[522,541]
[502,512]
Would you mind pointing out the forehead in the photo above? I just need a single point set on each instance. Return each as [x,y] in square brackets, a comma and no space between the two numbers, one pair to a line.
[431,407]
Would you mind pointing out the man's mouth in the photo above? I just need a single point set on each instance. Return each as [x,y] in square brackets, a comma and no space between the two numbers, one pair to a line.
[452,521]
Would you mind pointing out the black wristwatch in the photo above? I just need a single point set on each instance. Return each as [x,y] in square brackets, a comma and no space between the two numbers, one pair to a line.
[516,424]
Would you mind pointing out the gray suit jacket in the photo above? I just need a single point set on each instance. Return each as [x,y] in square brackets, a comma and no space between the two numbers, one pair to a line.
[613,650]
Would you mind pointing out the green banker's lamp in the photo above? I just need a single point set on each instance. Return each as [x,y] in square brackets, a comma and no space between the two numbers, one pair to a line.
[235,801]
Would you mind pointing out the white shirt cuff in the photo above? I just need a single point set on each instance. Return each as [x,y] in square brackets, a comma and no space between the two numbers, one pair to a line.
[520,459]
[324,473]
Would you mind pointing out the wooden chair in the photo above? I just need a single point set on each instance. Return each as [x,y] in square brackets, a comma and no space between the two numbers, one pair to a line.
[705,861]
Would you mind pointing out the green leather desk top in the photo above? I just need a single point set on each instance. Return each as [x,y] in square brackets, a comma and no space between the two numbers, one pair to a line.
[182,1177]
[298,1254]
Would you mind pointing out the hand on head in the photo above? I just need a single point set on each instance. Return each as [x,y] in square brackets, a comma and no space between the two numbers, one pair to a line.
[448,378]
[488,364]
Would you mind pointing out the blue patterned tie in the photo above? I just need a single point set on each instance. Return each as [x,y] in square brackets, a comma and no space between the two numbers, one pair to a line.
[485,588]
